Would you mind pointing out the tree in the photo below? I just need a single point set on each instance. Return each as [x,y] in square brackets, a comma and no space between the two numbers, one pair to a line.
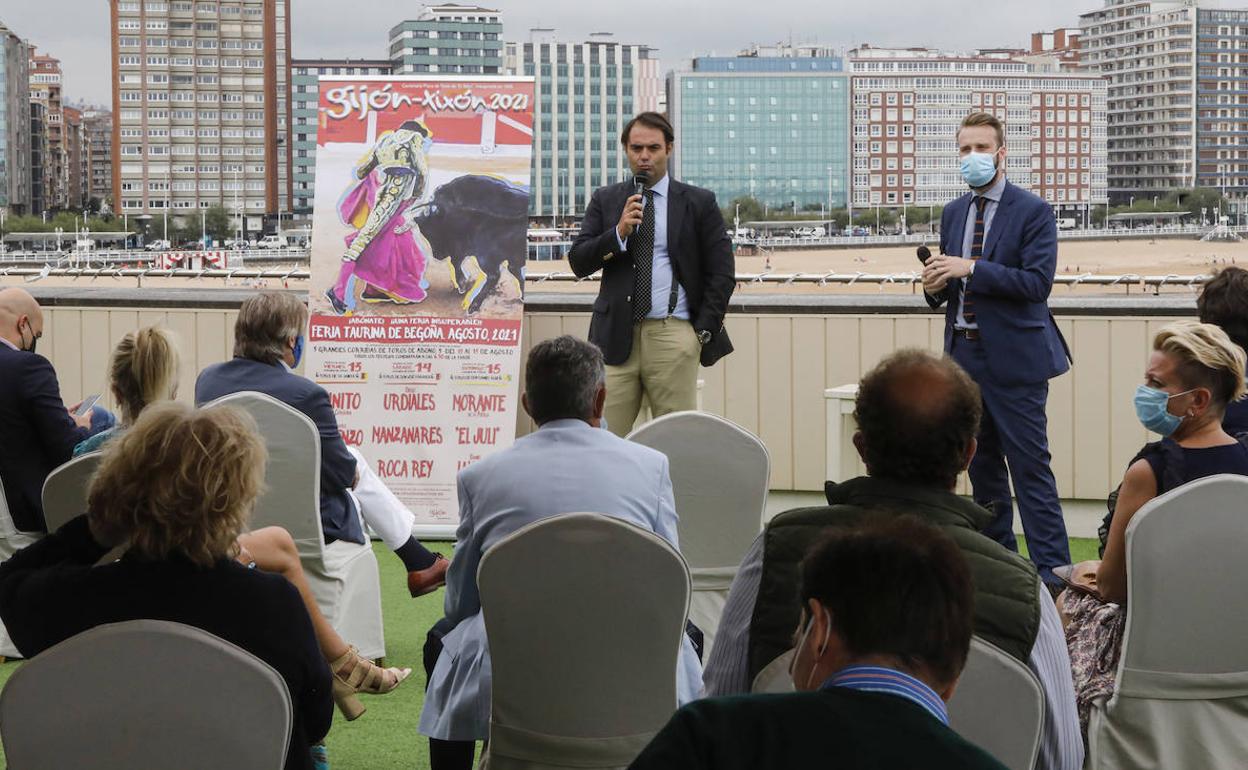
[750,209]
[1193,200]
[867,218]
[217,222]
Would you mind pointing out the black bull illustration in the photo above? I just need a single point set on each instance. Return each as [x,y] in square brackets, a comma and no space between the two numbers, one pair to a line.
[476,216]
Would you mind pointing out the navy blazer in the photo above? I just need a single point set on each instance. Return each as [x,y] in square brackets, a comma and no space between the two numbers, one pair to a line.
[38,433]
[1011,285]
[339,518]
[702,263]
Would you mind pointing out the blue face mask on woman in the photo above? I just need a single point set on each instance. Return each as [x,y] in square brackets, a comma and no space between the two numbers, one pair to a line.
[297,351]
[1150,407]
[978,168]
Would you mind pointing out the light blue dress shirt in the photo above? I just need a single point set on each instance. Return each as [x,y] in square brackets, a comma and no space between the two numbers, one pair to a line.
[661,276]
[968,239]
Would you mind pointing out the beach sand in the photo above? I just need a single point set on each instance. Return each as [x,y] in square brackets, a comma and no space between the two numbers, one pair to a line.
[1181,257]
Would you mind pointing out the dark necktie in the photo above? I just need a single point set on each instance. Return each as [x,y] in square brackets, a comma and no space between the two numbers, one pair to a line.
[641,246]
[977,251]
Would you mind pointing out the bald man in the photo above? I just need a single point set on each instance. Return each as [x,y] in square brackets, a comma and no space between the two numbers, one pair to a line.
[39,432]
[917,419]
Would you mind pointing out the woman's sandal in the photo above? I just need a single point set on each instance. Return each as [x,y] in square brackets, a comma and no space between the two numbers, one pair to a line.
[354,675]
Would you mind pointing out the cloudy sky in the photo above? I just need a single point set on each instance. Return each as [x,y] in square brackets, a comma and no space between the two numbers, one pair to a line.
[76,31]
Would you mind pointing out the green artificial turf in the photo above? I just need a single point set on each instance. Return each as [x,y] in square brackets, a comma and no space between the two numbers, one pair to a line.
[385,737]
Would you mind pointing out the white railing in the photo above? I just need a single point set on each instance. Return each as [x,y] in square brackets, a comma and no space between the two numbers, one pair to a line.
[920,238]
[908,279]
[132,256]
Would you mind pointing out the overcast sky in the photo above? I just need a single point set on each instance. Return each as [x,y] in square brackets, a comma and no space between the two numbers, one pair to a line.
[76,31]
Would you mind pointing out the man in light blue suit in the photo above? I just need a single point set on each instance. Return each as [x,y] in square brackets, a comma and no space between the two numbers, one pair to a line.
[569,464]
[998,257]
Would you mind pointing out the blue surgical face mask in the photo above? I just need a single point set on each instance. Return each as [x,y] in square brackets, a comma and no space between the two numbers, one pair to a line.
[297,351]
[979,168]
[1151,407]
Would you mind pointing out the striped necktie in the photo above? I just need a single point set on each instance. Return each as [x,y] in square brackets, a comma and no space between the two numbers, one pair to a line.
[977,251]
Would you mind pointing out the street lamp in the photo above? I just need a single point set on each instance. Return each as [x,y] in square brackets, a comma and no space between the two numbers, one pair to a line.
[829,191]
[166,237]
[239,236]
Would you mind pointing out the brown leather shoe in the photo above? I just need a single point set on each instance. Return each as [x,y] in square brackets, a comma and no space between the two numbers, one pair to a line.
[429,579]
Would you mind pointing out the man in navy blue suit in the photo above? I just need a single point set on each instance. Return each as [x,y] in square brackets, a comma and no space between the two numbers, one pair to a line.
[268,344]
[998,248]
[39,433]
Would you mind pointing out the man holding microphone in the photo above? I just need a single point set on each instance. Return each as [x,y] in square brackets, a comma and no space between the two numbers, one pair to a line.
[998,257]
[667,275]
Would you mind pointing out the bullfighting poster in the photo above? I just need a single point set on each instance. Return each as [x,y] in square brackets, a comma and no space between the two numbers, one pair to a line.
[418,252]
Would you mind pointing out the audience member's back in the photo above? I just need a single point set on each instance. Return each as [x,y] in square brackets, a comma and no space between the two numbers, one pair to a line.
[175,490]
[36,432]
[883,637]
[1224,303]
[567,466]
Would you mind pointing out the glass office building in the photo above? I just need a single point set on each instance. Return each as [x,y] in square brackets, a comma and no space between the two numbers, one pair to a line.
[585,92]
[772,128]
[448,38]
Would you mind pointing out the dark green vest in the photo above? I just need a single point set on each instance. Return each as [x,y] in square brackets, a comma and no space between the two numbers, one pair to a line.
[1007,608]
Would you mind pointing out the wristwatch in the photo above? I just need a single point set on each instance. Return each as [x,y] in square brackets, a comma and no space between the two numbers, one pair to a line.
[704,337]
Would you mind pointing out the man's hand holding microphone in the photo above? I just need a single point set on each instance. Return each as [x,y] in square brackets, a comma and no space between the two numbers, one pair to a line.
[939,270]
[630,218]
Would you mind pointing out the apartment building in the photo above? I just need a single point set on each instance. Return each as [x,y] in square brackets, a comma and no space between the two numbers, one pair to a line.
[908,104]
[46,90]
[14,123]
[201,107]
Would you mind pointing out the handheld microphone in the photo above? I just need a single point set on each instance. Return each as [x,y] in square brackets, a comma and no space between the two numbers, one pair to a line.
[923,254]
[639,183]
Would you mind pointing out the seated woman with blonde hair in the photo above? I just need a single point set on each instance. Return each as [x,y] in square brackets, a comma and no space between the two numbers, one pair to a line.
[174,491]
[144,371]
[1193,373]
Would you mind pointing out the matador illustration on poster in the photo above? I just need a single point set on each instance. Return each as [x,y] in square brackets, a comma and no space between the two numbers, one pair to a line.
[386,256]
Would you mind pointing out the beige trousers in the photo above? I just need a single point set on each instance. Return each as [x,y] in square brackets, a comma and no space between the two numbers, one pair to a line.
[663,365]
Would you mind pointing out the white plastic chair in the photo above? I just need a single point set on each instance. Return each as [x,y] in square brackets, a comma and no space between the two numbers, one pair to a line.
[65,489]
[12,540]
[1181,691]
[720,475]
[999,706]
[145,693]
[583,650]
[344,576]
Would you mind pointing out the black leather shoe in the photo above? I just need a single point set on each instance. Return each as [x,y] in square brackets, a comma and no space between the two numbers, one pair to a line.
[339,306]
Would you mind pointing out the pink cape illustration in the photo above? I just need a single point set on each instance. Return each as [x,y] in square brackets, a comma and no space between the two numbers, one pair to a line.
[393,263]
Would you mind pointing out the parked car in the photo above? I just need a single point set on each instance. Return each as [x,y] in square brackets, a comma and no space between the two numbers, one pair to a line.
[273,242]
[158,245]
